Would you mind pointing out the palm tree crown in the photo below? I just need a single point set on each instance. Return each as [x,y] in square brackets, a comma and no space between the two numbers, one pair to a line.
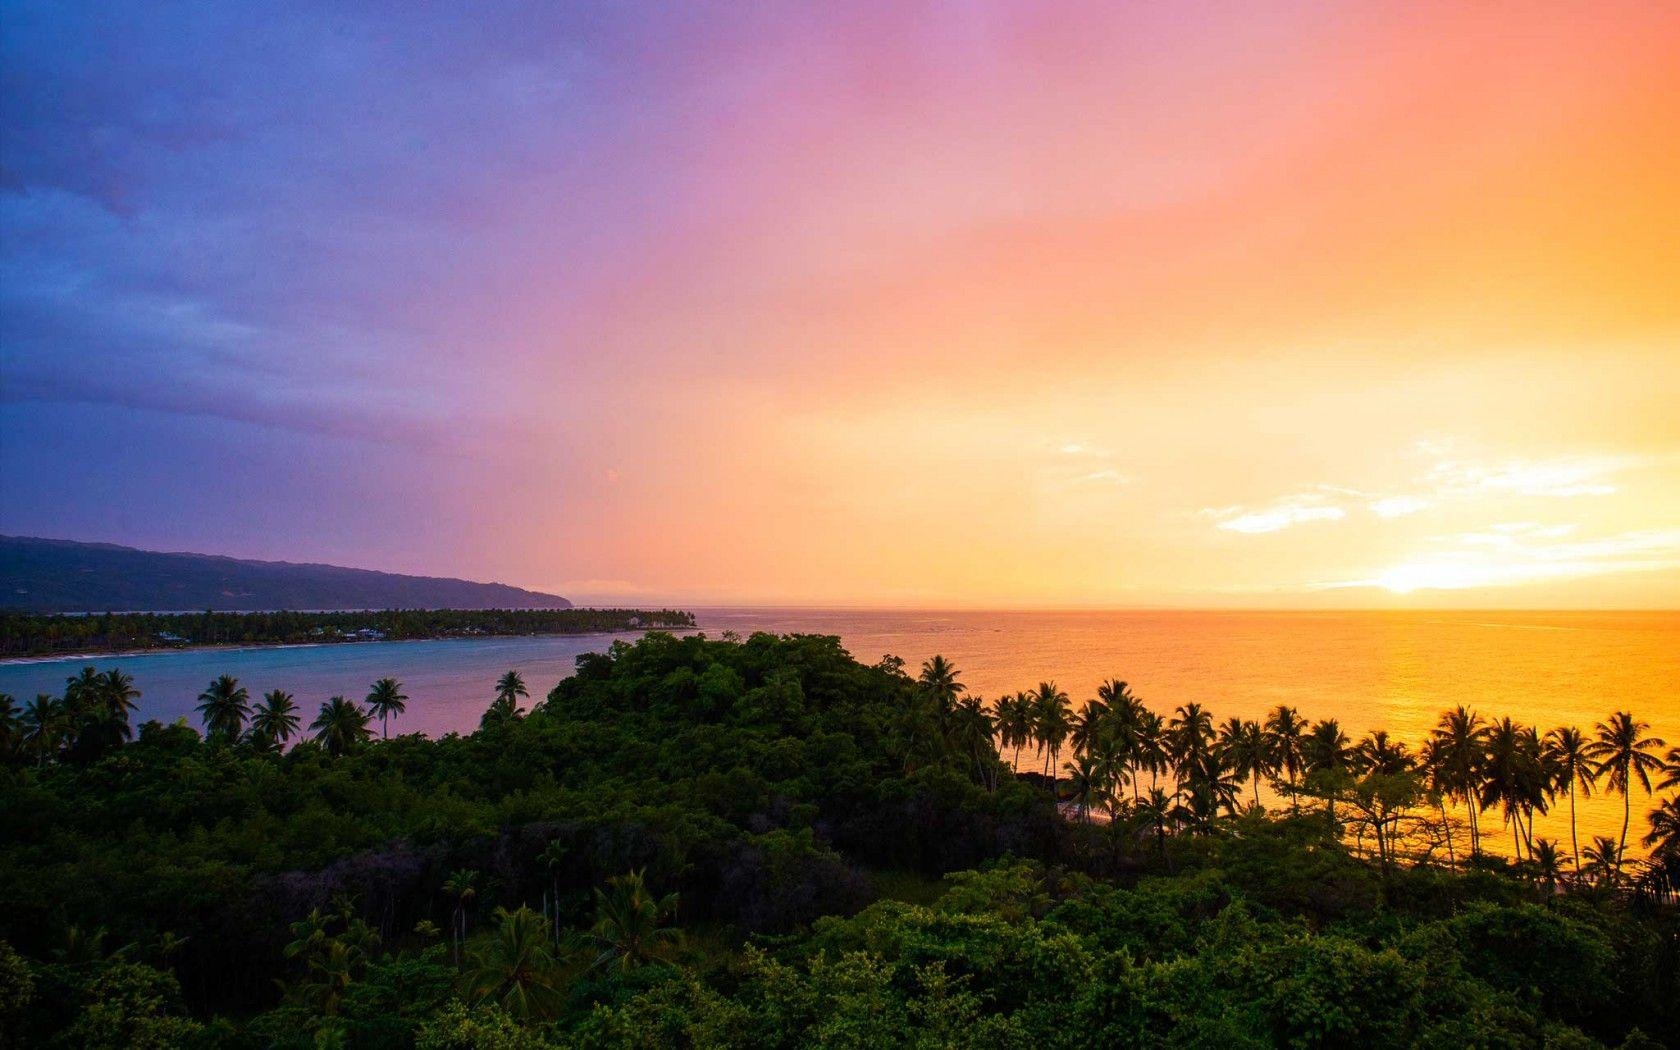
[1625,755]
[341,726]
[275,720]
[225,706]
[384,700]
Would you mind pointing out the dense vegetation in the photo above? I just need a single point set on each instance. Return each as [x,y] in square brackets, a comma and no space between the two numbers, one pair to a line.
[26,634]
[41,575]
[766,843]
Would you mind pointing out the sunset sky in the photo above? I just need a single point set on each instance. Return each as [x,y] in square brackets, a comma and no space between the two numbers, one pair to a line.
[958,304]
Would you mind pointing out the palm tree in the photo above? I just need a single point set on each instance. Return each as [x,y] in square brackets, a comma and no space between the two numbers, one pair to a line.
[1017,724]
[940,682]
[1154,810]
[1153,753]
[1566,751]
[1460,748]
[1664,837]
[1381,756]
[1548,865]
[972,731]
[1624,755]
[1286,733]
[629,923]
[1329,759]
[1514,778]
[1088,783]
[1054,721]
[1087,726]
[1124,711]
[275,719]
[45,725]
[1604,858]
[1190,737]
[1209,786]
[82,694]
[1246,749]
[118,696]
[225,706]
[1671,769]
[517,969]
[11,727]
[505,708]
[341,726]
[384,700]
[460,886]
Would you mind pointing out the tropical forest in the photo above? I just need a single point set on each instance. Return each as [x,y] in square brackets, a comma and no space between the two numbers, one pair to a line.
[764,842]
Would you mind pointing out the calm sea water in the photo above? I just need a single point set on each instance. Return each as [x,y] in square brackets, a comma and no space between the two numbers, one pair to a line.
[1370,670]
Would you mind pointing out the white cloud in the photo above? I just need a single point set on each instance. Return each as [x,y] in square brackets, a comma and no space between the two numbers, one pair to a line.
[1398,506]
[1281,514]
[1563,476]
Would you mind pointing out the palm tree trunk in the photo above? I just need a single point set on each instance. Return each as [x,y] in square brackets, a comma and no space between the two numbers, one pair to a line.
[1256,789]
[1446,829]
[1627,812]
[1574,844]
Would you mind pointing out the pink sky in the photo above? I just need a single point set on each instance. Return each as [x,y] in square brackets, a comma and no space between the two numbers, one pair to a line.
[912,304]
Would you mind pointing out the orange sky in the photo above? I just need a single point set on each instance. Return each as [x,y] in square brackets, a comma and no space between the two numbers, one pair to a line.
[1314,309]
[1041,305]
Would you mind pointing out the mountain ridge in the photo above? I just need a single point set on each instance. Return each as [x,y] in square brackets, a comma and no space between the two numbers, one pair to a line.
[42,574]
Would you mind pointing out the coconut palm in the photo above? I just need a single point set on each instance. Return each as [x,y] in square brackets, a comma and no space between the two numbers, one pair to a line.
[1329,760]
[1088,784]
[1246,750]
[1460,751]
[972,731]
[516,969]
[630,923]
[82,694]
[1124,711]
[1514,778]
[11,727]
[1153,752]
[1566,752]
[1209,786]
[1624,756]
[1087,726]
[1190,737]
[1671,769]
[45,726]
[341,726]
[939,680]
[1017,727]
[274,720]
[1286,733]
[1155,812]
[225,706]
[1604,858]
[1548,864]
[505,708]
[1379,755]
[461,886]
[384,700]
[118,696]
[1053,717]
[1664,836]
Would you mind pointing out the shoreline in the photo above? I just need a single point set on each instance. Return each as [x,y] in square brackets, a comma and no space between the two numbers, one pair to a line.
[238,647]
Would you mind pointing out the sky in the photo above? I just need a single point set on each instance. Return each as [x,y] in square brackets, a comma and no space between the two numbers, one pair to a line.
[1039,305]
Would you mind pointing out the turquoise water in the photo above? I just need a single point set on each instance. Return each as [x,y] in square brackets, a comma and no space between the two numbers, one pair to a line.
[1391,670]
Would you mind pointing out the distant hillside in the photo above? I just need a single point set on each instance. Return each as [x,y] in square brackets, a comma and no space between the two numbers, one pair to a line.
[62,576]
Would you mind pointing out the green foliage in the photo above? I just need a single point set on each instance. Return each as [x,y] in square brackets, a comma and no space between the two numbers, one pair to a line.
[42,634]
[765,843]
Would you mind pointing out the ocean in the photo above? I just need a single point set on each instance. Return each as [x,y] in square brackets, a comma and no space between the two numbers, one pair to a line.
[1370,670]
